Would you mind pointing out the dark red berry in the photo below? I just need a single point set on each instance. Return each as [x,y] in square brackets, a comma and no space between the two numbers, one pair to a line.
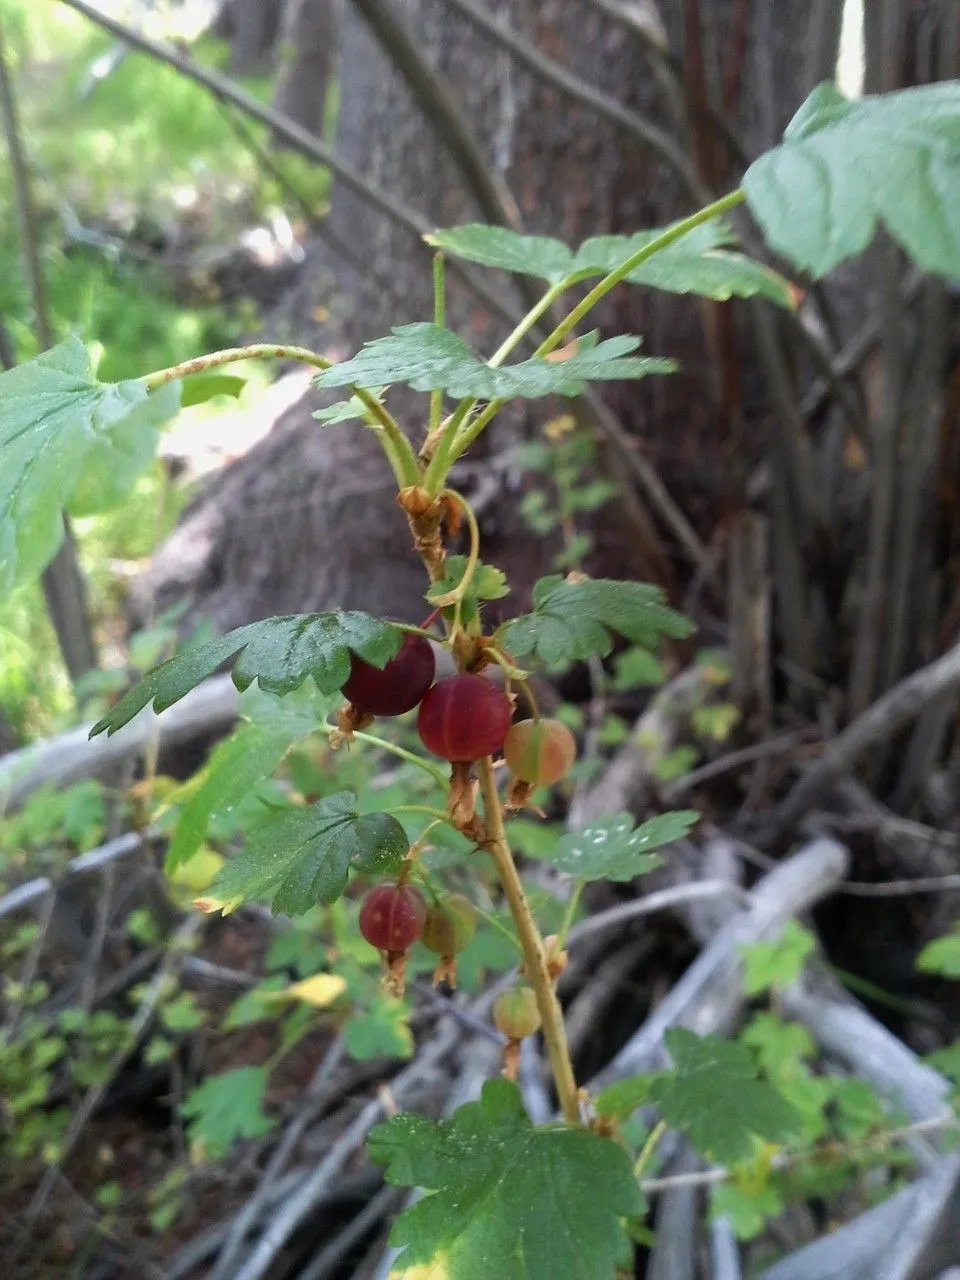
[540,751]
[392,916]
[463,718]
[399,686]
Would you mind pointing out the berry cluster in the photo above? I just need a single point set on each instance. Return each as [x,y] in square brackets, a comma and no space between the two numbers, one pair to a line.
[394,916]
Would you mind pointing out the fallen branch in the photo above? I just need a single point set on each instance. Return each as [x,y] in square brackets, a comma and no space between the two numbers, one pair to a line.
[209,708]
[710,994]
[913,1233]
[903,703]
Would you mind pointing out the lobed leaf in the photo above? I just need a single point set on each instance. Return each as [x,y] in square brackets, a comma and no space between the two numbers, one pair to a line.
[279,653]
[617,849]
[713,1095]
[427,357]
[67,441]
[303,855]
[845,167]
[942,956]
[227,1107]
[509,1200]
[703,261]
[573,620]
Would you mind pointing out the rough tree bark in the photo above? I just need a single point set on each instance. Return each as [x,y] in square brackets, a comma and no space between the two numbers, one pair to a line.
[290,525]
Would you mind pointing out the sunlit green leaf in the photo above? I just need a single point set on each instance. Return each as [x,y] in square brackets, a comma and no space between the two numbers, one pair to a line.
[428,358]
[843,167]
[508,1200]
[280,653]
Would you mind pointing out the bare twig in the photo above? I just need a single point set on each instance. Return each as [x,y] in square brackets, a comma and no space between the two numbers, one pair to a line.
[672,791]
[332,1255]
[63,584]
[209,708]
[659,900]
[434,98]
[251,1211]
[878,724]
[900,888]
[710,993]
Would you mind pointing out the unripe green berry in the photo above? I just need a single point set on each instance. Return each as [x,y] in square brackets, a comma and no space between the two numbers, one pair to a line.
[515,1013]
[450,925]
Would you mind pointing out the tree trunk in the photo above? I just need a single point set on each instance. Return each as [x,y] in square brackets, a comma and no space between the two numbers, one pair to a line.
[309,44]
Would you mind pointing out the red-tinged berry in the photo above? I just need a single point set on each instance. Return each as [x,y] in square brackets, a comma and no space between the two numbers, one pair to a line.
[399,686]
[450,925]
[515,1013]
[464,718]
[540,752]
[392,916]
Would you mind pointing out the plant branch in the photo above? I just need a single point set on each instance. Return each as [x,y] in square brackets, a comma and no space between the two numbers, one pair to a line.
[903,703]
[396,445]
[535,959]
[64,587]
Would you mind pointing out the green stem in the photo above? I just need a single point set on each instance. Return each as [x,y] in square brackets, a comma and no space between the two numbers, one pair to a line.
[613,278]
[396,446]
[569,914]
[438,776]
[645,1156]
[439,319]
[600,290]
[437,814]
[534,955]
[439,466]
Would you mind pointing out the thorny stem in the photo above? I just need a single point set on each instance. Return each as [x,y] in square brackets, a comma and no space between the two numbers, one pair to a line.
[395,444]
[534,955]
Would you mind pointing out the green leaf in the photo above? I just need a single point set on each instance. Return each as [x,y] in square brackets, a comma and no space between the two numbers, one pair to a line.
[113,462]
[714,1096]
[843,167]
[781,1047]
[236,765]
[509,1200]
[621,1099]
[776,963]
[746,1209]
[574,620]
[182,1014]
[617,849]
[278,652]
[302,855]
[538,256]
[380,1031]
[942,956]
[428,358]
[225,1108]
[946,1060]
[201,387]
[701,261]
[488,582]
[345,410]
[254,1005]
[66,441]
[636,668]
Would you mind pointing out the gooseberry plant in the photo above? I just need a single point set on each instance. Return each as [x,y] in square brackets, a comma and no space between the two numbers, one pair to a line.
[69,442]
